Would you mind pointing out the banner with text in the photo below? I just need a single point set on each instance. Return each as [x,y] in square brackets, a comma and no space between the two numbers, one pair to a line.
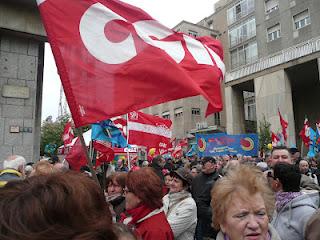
[219,144]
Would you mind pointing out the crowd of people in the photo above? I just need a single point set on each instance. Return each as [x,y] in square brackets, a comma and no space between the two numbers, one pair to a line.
[222,198]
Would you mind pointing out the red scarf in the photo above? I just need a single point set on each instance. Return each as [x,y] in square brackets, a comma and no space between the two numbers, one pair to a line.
[136,213]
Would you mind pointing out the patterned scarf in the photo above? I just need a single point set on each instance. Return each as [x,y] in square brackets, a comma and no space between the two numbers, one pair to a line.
[282,198]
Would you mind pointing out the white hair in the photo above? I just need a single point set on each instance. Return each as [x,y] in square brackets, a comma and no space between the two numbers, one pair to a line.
[14,161]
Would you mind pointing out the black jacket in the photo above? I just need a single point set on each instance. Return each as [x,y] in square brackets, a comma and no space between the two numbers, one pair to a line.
[201,192]
[158,171]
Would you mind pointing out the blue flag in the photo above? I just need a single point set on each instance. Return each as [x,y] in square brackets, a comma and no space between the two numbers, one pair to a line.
[192,151]
[312,146]
[107,131]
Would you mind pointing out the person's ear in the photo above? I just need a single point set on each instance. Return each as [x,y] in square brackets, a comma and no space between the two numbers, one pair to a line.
[222,227]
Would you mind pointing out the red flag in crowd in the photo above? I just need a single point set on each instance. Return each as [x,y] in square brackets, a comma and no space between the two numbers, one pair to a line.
[284,126]
[114,58]
[67,135]
[104,152]
[305,133]
[148,130]
[274,139]
[77,156]
[177,152]
[121,124]
[183,142]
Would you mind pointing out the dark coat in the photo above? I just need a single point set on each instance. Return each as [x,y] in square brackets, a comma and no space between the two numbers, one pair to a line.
[201,192]
[158,171]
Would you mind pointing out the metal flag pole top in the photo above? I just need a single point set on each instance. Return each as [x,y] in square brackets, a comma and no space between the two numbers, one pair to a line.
[84,147]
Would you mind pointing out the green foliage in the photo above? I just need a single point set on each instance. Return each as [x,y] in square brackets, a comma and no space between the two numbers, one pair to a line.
[264,134]
[51,132]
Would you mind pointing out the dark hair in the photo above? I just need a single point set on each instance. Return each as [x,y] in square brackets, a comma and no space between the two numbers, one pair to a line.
[157,159]
[288,175]
[55,206]
[208,159]
[146,185]
[279,148]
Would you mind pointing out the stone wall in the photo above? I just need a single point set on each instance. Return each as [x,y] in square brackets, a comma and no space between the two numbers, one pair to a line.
[21,66]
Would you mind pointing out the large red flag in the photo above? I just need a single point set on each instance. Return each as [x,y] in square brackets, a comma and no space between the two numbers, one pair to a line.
[284,126]
[148,130]
[114,58]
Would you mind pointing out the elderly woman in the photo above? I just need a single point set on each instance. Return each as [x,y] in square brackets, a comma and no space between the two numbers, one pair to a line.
[115,194]
[293,208]
[54,206]
[179,206]
[242,204]
[144,212]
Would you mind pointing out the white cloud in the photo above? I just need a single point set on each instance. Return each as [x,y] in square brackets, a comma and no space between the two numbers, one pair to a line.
[168,12]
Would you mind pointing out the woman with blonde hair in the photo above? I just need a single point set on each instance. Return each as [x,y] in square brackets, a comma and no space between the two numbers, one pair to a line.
[242,204]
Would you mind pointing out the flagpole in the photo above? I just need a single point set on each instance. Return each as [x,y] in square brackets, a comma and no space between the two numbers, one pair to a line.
[84,147]
[127,130]
[302,149]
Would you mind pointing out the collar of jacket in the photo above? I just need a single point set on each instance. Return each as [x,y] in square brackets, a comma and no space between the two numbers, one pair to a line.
[11,171]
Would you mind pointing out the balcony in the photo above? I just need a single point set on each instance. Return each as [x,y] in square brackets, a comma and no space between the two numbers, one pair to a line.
[284,56]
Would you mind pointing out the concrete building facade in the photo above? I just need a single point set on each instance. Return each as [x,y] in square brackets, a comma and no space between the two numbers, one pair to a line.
[21,64]
[188,114]
[272,50]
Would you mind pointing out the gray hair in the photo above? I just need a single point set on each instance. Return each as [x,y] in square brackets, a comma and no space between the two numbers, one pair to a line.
[14,162]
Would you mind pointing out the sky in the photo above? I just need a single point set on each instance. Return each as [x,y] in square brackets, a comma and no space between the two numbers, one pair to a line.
[167,12]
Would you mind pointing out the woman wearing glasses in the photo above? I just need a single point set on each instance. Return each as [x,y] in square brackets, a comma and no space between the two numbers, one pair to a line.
[144,212]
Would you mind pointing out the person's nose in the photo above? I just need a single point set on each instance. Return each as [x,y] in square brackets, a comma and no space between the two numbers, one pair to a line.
[253,222]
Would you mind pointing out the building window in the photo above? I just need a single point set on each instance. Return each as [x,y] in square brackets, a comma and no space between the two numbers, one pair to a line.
[178,112]
[273,32]
[302,19]
[242,32]
[241,9]
[217,118]
[271,5]
[195,111]
[250,110]
[166,115]
[192,33]
[243,55]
